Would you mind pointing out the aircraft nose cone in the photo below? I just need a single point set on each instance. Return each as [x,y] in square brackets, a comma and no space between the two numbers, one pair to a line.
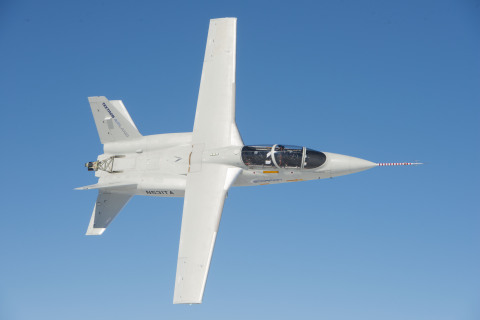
[345,164]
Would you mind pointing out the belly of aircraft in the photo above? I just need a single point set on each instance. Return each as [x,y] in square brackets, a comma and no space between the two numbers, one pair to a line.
[272,176]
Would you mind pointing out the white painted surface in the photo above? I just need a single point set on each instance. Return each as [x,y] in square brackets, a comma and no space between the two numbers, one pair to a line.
[201,166]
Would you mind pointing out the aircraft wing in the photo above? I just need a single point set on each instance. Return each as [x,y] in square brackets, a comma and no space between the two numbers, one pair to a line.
[215,117]
[208,183]
[204,198]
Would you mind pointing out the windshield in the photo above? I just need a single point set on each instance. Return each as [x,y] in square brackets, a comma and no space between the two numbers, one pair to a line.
[282,156]
[313,159]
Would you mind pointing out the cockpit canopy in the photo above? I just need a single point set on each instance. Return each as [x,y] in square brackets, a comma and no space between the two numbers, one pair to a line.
[282,156]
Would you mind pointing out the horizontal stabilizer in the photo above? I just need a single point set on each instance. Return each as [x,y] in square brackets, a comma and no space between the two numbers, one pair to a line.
[108,186]
[106,208]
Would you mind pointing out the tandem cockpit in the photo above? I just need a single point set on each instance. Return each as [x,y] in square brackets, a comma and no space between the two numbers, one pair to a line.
[282,156]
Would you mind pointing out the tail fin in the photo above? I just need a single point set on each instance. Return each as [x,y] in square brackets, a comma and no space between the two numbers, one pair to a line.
[112,120]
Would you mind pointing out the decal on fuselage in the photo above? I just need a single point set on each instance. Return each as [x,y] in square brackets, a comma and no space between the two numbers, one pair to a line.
[266,180]
[164,192]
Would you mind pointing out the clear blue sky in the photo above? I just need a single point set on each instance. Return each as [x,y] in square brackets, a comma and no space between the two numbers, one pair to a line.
[381,80]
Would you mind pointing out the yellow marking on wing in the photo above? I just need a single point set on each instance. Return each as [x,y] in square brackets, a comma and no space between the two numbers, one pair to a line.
[264,184]
[294,180]
[270,171]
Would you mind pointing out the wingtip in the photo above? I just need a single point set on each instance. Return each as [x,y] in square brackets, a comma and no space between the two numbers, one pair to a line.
[95,231]
[186,302]
[224,18]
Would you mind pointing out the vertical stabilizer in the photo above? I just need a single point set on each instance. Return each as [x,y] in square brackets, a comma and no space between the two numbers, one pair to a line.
[112,120]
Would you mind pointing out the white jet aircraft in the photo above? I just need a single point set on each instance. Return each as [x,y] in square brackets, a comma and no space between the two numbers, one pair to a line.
[201,165]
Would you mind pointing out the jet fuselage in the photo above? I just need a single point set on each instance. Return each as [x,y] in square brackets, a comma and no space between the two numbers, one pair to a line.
[159,164]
